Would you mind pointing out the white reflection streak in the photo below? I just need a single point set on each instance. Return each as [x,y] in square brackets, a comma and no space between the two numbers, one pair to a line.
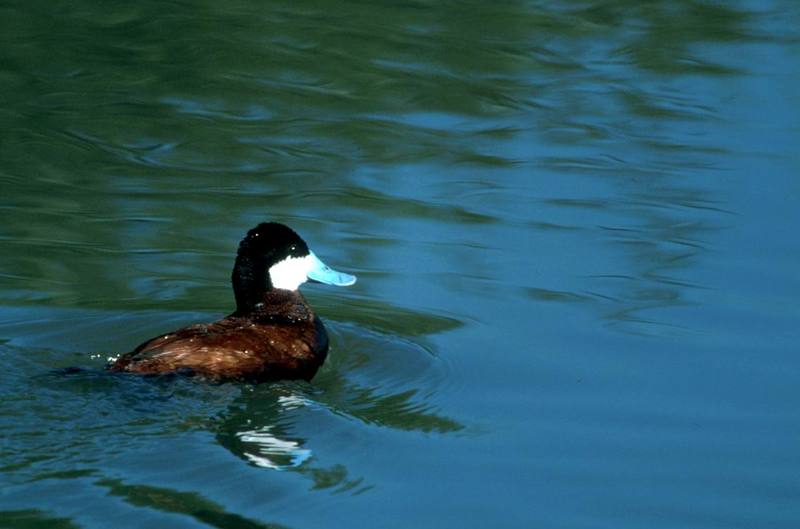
[271,447]
[292,402]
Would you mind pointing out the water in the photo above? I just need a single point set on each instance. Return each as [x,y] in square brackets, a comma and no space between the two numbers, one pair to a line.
[573,225]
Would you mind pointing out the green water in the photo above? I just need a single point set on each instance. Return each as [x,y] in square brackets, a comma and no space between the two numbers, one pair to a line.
[573,223]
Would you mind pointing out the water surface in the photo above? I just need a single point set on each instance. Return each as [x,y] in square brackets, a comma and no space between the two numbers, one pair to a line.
[573,225]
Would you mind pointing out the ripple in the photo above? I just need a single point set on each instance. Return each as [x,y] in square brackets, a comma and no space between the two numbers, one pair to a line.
[217,109]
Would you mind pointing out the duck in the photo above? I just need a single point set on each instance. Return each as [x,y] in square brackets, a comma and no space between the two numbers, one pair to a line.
[273,334]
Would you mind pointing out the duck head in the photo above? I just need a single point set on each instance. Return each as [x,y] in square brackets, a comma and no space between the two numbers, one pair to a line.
[273,257]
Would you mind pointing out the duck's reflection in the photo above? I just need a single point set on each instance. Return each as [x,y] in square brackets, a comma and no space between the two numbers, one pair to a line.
[264,449]
[268,445]
[260,430]
[265,424]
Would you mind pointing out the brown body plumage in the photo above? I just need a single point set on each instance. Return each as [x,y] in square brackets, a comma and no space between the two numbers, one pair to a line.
[283,339]
[273,334]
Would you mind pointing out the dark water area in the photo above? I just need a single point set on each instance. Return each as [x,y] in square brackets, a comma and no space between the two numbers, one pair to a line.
[573,223]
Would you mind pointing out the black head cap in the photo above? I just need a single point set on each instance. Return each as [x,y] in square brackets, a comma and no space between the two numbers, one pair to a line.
[273,242]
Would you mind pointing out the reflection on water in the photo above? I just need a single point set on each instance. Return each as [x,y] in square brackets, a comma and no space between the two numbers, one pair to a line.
[188,503]
[270,451]
[34,518]
[263,448]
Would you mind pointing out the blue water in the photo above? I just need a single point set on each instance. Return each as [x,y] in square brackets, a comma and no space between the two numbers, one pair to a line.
[572,223]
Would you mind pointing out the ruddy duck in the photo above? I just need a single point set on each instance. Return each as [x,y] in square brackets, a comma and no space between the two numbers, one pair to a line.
[273,334]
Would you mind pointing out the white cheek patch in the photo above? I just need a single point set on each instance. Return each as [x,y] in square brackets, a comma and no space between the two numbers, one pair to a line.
[290,273]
